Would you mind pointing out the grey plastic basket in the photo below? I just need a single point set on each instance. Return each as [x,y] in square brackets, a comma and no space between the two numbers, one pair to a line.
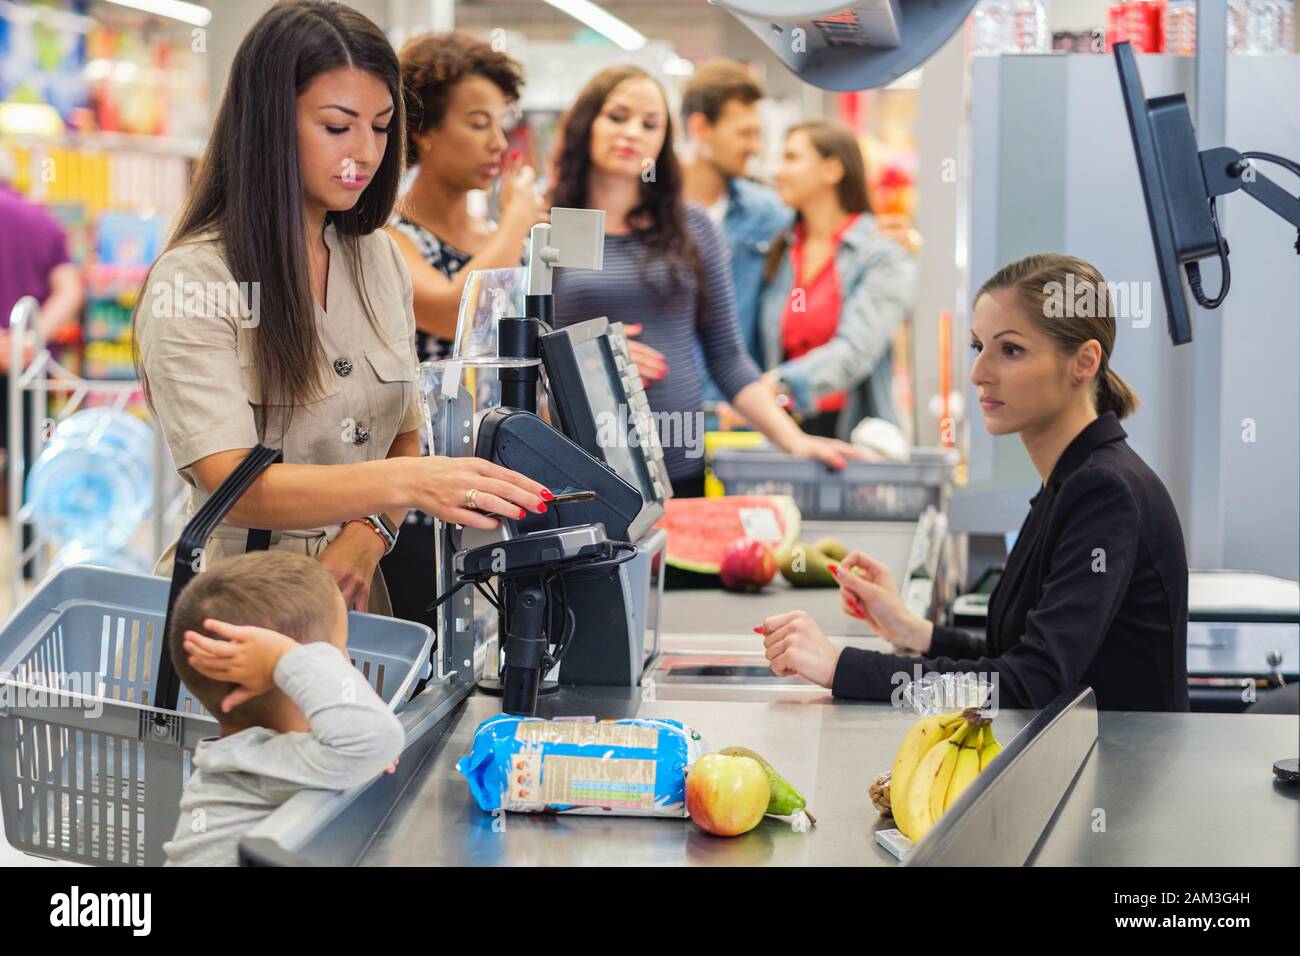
[863,491]
[94,773]
[89,737]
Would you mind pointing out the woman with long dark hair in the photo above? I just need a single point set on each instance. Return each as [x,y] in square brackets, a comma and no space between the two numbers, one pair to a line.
[835,288]
[666,273]
[459,96]
[281,311]
[1095,589]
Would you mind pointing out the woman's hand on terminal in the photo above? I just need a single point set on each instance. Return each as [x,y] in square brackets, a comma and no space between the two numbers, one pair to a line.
[868,591]
[794,644]
[246,657]
[440,486]
[352,558]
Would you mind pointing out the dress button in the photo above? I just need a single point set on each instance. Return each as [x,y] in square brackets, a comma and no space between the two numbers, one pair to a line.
[361,435]
[343,367]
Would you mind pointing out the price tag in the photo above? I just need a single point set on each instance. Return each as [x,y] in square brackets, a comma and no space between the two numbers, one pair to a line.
[761,524]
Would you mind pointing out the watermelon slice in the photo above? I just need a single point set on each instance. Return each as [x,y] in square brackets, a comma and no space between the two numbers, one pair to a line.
[700,528]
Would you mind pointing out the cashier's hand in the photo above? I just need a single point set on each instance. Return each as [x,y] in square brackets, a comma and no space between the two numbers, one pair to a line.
[794,644]
[438,485]
[868,592]
[352,558]
[246,657]
[650,363]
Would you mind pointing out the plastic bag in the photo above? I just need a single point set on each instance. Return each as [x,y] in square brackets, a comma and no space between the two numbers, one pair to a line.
[631,767]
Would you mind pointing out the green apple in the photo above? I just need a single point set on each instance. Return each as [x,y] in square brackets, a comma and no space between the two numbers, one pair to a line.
[727,796]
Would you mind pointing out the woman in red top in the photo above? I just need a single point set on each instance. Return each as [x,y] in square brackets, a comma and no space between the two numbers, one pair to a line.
[836,288]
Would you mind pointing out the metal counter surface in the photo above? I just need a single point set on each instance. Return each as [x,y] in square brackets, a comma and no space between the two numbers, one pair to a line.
[1178,789]
[830,750]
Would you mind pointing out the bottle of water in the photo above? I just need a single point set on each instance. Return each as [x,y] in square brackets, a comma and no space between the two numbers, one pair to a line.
[1180,27]
[1236,26]
[991,28]
[93,483]
[1029,31]
[1266,26]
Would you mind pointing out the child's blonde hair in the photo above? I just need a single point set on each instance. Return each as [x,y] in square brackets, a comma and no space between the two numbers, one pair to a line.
[286,592]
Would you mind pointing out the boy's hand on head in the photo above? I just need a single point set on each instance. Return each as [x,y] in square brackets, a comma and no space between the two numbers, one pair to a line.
[246,657]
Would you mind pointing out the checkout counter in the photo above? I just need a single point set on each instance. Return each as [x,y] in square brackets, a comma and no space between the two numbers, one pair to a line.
[1191,789]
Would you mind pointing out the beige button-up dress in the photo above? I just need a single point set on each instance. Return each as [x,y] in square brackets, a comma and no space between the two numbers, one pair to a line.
[197,335]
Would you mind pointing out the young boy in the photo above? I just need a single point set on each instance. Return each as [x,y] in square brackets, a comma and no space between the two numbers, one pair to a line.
[292,709]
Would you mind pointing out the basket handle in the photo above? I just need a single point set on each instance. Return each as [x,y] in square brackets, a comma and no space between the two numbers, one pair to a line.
[193,538]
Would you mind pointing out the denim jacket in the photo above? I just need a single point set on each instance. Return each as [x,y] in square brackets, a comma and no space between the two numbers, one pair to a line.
[753,219]
[878,289]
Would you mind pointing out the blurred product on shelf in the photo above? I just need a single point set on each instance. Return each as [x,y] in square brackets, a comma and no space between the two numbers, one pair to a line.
[1140,23]
[1082,41]
[91,485]
[1157,26]
[1008,26]
[117,72]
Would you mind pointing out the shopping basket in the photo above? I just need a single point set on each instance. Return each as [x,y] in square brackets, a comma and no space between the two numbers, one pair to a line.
[96,732]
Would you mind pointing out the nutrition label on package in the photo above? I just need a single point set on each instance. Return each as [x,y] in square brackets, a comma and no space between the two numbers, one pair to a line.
[587,735]
[618,784]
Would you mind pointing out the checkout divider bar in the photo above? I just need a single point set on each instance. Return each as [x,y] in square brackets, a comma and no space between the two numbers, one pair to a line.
[1001,817]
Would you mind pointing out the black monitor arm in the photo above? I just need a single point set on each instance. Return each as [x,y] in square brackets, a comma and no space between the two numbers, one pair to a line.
[1226,170]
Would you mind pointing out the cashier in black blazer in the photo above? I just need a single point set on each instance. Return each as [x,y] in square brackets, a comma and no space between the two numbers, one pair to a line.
[1095,589]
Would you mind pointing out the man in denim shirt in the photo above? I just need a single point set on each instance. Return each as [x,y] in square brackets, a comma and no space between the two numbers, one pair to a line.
[720,113]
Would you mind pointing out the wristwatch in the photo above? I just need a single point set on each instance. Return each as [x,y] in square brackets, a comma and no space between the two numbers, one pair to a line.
[382,526]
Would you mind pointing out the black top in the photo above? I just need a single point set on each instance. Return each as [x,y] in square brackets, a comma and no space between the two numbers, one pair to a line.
[1094,592]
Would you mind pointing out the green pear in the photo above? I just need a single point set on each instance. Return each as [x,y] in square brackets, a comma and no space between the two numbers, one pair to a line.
[833,548]
[785,799]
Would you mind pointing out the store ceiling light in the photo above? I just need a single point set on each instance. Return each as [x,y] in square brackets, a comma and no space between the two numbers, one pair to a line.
[603,22]
[193,13]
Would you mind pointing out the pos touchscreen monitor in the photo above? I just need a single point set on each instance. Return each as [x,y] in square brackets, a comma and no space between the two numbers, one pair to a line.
[600,403]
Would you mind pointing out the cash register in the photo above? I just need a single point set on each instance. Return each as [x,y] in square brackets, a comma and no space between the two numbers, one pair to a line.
[572,593]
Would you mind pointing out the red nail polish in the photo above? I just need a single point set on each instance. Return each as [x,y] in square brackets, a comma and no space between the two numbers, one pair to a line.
[833,568]
[547,495]
[541,506]
[758,630]
[521,512]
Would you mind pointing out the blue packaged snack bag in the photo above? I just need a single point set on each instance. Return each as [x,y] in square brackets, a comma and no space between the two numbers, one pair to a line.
[631,767]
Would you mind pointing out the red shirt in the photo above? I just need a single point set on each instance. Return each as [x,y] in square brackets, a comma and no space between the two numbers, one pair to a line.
[812,311]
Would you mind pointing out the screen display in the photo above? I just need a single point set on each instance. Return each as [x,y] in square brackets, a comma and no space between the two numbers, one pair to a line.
[615,429]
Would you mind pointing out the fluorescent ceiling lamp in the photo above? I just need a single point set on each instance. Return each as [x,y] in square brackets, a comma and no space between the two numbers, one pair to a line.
[175,9]
[602,21]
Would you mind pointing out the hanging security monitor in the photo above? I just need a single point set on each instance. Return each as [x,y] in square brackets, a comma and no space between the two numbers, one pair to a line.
[848,46]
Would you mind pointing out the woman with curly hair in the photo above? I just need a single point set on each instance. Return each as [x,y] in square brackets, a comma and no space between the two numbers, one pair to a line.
[459,97]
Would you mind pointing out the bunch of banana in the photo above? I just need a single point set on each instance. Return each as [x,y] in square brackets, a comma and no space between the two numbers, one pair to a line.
[938,759]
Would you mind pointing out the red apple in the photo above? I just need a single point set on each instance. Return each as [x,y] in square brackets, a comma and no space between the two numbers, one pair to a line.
[727,796]
[747,565]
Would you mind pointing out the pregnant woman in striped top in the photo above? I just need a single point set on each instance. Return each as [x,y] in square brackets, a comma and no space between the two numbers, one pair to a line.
[666,275]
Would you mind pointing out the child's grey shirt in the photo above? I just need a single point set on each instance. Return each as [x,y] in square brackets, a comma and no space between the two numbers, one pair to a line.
[238,780]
